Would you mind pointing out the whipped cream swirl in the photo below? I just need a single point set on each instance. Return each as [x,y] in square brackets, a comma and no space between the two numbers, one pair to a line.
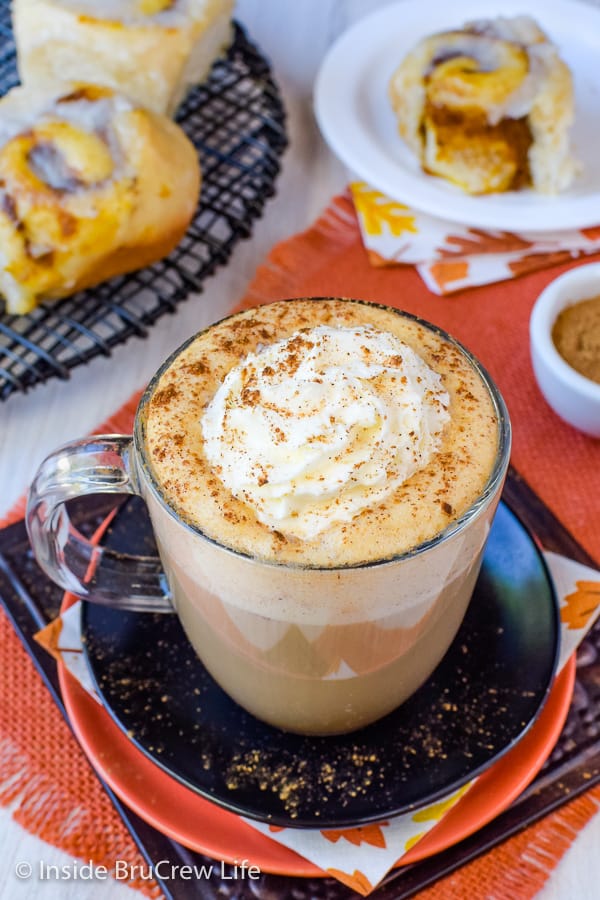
[314,428]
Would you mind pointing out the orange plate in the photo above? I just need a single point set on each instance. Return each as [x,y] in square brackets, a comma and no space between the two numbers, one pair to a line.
[200,825]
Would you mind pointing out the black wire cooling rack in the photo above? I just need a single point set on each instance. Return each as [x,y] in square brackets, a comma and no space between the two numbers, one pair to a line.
[236,121]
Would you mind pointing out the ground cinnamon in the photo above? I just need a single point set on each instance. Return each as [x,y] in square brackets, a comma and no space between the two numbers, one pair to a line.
[576,335]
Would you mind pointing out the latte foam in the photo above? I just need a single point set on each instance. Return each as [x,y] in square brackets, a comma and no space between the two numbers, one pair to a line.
[320,432]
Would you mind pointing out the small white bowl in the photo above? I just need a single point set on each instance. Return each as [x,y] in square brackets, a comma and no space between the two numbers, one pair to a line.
[575,398]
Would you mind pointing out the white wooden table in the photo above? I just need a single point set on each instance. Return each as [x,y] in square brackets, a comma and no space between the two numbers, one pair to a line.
[295,36]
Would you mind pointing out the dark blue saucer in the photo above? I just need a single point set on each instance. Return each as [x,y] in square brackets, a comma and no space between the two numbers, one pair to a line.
[483,696]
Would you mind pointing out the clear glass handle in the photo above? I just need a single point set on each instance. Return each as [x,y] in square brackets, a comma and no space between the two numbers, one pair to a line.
[99,465]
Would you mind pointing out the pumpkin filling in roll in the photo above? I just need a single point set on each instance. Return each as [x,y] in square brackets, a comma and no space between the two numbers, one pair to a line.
[460,142]
[458,127]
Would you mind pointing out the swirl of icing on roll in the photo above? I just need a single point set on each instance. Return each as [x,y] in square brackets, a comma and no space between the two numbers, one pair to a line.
[478,71]
[318,426]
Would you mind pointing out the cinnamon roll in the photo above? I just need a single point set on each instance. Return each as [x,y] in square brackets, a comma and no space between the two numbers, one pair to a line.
[151,50]
[488,107]
[91,186]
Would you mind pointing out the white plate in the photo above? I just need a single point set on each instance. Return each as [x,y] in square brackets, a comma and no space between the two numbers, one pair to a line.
[356,119]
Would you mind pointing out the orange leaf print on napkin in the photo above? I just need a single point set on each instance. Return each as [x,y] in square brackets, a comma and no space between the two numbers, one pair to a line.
[364,834]
[533,261]
[476,241]
[377,210]
[445,273]
[357,881]
[580,605]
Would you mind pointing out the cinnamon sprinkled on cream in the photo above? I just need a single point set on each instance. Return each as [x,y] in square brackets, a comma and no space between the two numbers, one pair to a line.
[314,428]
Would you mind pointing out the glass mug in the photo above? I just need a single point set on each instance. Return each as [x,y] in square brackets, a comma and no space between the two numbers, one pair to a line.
[255,624]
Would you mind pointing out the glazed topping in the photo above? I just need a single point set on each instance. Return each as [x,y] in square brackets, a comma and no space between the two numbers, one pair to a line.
[65,157]
[88,108]
[317,427]
[72,144]
[497,64]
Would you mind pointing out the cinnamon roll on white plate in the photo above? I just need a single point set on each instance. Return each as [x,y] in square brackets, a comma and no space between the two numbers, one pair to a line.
[353,110]
[151,50]
[488,107]
[91,186]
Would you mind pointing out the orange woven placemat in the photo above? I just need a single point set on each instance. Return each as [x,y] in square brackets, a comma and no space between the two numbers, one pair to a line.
[43,771]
